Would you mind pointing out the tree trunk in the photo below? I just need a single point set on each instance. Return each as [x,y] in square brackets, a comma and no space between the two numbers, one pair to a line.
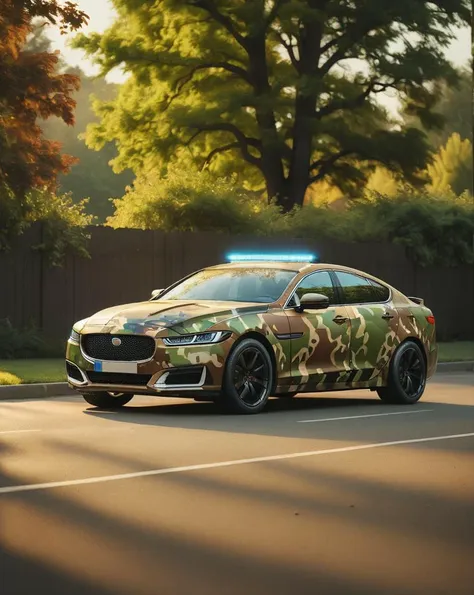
[298,177]
[305,104]
[272,158]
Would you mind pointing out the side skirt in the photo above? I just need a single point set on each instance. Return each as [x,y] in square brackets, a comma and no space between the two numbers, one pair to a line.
[353,379]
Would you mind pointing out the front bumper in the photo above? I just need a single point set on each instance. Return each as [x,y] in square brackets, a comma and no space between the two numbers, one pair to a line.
[172,371]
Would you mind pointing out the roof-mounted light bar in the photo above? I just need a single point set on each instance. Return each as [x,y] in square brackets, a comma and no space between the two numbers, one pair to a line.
[236,257]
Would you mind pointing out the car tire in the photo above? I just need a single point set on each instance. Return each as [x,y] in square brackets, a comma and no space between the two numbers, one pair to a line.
[406,377]
[107,400]
[248,378]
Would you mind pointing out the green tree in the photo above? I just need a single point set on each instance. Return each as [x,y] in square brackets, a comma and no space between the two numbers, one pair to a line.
[455,108]
[452,167]
[261,81]
[91,175]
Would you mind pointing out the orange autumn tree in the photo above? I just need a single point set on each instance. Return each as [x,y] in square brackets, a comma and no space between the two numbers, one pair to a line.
[31,89]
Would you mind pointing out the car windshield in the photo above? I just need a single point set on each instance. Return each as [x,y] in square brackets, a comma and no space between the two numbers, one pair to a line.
[236,285]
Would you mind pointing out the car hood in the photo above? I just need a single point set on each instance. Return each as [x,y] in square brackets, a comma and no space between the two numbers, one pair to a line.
[156,317]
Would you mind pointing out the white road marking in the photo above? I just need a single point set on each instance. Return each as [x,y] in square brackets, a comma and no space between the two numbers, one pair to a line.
[17,431]
[105,478]
[308,421]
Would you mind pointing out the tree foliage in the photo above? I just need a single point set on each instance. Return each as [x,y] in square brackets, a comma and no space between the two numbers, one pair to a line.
[452,167]
[436,230]
[260,81]
[31,89]
[91,175]
[63,221]
[455,108]
[190,200]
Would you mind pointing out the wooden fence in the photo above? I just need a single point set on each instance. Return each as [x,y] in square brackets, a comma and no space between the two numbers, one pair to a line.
[125,266]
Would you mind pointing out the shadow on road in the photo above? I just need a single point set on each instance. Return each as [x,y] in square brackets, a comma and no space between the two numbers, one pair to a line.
[203,534]
[360,530]
[282,418]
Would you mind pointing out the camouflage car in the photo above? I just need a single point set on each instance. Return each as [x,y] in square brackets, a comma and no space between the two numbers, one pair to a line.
[237,333]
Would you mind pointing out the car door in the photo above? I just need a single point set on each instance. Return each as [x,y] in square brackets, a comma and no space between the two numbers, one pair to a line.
[320,339]
[373,320]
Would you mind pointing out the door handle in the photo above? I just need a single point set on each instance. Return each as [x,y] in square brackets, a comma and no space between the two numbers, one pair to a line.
[387,316]
[340,319]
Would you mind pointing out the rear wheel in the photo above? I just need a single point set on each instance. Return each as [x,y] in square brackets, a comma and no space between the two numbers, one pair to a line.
[247,378]
[107,400]
[407,376]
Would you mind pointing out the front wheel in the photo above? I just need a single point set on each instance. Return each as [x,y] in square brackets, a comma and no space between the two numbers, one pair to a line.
[107,400]
[248,378]
[407,376]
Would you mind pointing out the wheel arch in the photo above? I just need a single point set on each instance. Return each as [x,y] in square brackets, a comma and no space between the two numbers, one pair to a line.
[386,369]
[418,342]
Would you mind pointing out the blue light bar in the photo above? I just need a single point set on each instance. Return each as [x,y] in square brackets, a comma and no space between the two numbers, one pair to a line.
[271,257]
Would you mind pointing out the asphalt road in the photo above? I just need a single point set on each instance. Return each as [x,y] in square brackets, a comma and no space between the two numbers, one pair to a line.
[330,494]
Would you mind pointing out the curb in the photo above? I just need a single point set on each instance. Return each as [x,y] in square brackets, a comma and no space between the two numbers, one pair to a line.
[35,391]
[446,367]
[62,389]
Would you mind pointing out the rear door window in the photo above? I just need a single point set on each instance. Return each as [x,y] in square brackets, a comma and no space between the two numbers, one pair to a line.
[360,290]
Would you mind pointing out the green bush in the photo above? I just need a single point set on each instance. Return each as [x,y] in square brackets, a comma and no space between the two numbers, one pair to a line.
[64,222]
[26,343]
[192,200]
[435,230]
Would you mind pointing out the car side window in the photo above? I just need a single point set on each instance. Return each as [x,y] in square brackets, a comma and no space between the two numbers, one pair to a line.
[380,292]
[319,282]
[359,290]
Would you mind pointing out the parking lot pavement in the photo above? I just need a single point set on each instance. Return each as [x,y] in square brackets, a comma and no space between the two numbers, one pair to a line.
[330,493]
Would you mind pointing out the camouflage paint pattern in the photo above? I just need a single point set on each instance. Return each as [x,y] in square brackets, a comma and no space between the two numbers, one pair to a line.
[311,351]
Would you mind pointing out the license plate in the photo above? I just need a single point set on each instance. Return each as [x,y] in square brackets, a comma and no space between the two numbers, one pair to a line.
[124,367]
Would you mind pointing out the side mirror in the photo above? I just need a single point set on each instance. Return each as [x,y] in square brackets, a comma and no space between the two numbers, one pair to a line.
[313,301]
[156,292]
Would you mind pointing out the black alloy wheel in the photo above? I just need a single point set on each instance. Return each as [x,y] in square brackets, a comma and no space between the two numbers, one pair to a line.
[411,373]
[248,378]
[251,376]
[407,375]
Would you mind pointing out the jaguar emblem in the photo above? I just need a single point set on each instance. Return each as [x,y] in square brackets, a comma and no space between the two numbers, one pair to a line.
[116,342]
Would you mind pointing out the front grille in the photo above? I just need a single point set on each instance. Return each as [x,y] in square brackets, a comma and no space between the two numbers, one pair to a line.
[73,372]
[132,348]
[181,376]
[119,378]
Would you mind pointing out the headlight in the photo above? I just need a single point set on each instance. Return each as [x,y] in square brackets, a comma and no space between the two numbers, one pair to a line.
[197,339]
[74,336]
